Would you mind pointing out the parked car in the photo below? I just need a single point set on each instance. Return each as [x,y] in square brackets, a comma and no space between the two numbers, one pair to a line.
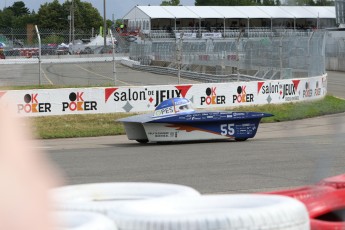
[49,49]
[2,55]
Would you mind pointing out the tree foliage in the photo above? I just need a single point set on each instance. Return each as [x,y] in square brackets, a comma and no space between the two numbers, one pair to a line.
[170,3]
[226,2]
[19,9]
[52,15]
[56,16]
[6,18]
[262,2]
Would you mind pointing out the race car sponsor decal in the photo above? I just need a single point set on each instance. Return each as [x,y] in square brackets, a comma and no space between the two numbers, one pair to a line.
[163,134]
[223,129]
[242,96]
[190,128]
[212,98]
[32,105]
[77,103]
[164,111]
[229,129]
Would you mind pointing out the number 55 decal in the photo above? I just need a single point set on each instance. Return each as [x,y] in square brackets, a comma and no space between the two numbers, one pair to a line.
[227,129]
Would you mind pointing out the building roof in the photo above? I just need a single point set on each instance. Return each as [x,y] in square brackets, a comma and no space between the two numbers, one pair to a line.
[172,12]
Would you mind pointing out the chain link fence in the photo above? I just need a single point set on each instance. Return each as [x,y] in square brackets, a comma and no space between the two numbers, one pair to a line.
[335,51]
[335,47]
[67,58]
[81,58]
[242,58]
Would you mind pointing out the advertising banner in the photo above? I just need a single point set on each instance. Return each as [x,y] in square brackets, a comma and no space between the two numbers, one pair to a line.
[43,102]
[211,35]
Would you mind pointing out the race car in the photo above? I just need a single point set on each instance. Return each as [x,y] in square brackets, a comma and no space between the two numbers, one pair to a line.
[175,120]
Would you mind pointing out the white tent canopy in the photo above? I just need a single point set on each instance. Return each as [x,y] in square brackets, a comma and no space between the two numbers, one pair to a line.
[322,12]
[208,12]
[253,11]
[180,12]
[302,12]
[277,12]
[197,12]
[212,18]
[229,12]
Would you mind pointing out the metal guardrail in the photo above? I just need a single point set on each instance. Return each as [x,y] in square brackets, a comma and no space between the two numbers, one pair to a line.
[202,77]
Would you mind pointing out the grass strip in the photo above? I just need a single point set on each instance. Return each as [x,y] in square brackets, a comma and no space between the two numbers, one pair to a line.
[91,125]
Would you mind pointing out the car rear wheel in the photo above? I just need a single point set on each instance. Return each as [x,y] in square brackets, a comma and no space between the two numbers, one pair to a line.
[241,139]
[143,141]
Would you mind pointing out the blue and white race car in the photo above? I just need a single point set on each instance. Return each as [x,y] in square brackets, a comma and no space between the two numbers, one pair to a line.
[175,120]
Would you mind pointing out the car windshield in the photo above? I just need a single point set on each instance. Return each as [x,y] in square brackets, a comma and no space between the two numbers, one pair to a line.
[185,107]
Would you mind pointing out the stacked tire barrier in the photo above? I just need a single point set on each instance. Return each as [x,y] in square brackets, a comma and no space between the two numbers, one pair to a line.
[325,202]
[207,212]
[72,220]
[156,206]
[105,197]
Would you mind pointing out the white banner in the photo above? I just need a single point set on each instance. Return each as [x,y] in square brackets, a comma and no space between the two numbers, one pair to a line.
[42,102]
[211,35]
[185,35]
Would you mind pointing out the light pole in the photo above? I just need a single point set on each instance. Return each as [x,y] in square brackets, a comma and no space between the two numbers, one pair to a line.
[105,24]
[69,18]
[72,21]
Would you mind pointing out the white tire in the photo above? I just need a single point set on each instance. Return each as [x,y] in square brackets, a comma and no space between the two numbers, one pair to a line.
[102,197]
[210,212]
[71,220]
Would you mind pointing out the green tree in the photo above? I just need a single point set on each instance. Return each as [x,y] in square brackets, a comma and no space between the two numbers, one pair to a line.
[50,15]
[53,39]
[86,16]
[22,21]
[53,15]
[324,3]
[170,3]
[311,2]
[240,2]
[226,2]
[19,9]
[6,18]
[268,3]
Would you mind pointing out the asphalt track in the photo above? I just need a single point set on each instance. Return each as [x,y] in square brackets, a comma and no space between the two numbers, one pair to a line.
[282,155]
[81,74]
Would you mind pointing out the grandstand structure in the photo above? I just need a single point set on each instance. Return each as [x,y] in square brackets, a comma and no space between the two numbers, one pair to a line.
[226,21]
[231,43]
